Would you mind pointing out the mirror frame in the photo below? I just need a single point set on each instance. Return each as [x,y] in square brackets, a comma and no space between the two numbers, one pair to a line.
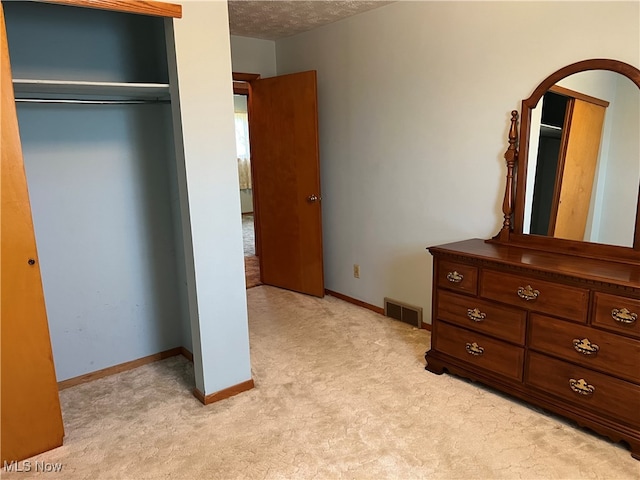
[516,158]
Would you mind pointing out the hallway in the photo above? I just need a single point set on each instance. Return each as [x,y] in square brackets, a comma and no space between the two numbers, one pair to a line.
[251,261]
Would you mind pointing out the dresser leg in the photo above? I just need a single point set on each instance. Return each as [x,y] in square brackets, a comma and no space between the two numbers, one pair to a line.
[635,449]
[433,366]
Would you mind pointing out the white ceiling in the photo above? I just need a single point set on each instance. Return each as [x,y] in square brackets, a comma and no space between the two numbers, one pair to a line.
[271,19]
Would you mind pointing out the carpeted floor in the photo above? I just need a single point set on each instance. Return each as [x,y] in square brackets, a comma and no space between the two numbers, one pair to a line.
[248,234]
[252,271]
[251,261]
[341,393]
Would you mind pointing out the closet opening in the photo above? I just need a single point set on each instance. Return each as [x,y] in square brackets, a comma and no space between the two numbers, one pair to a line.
[95,119]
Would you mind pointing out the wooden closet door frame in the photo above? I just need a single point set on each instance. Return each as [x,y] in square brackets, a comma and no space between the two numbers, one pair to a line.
[30,407]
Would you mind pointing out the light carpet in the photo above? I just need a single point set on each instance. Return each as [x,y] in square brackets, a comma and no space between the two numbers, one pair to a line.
[341,392]
[252,271]
[248,234]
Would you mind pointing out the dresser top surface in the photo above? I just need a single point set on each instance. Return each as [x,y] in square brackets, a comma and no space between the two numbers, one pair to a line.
[584,268]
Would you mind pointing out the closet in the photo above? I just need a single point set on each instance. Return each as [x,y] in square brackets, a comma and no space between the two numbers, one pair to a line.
[93,105]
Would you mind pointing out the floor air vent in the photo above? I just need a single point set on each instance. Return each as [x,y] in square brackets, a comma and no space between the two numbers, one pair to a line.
[403,312]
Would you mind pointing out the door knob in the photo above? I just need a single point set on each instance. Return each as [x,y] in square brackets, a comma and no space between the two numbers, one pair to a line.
[313,198]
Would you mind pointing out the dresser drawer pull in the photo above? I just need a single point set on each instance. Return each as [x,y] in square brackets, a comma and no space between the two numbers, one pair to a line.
[582,387]
[623,315]
[454,277]
[585,347]
[474,349]
[528,293]
[476,315]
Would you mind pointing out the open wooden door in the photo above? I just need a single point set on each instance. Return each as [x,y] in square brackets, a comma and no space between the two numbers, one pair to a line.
[30,408]
[286,171]
[576,169]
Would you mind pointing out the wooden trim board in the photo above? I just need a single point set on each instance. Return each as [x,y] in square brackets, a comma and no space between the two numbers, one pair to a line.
[354,301]
[222,394]
[368,306]
[580,96]
[186,354]
[241,82]
[240,88]
[123,367]
[245,77]
[153,8]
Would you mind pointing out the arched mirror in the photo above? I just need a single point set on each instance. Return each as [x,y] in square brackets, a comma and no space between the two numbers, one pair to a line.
[578,165]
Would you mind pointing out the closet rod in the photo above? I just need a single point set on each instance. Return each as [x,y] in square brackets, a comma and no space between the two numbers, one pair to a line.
[88,102]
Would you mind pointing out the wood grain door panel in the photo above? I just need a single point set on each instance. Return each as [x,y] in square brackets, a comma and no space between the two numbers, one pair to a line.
[617,314]
[553,298]
[499,321]
[457,276]
[481,351]
[613,397]
[30,416]
[596,349]
[286,169]
[578,169]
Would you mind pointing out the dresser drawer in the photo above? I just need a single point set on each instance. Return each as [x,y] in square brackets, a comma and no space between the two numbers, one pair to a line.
[618,314]
[538,295]
[587,346]
[497,320]
[457,276]
[584,387]
[476,349]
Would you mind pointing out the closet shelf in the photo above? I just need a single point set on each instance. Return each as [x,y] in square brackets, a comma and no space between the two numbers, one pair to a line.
[550,131]
[81,90]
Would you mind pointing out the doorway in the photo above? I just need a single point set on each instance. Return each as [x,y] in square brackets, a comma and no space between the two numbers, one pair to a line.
[285,179]
[243,153]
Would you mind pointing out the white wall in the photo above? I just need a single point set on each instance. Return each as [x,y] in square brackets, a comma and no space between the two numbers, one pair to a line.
[532,163]
[619,192]
[209,196]
[253,55]
[246,201]
[98,183]
[414,107]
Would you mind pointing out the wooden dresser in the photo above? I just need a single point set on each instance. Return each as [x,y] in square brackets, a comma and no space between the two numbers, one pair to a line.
[556,330]
[547,310]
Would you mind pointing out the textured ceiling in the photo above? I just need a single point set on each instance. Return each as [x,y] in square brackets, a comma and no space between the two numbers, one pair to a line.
[271,19]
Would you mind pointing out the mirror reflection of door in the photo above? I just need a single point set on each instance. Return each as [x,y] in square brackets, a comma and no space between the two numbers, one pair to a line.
[569,145]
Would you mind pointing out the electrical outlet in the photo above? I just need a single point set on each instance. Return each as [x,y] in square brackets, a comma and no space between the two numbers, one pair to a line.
[356,270]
